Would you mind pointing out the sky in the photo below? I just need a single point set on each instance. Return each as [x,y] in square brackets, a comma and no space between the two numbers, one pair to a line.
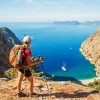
[49,10]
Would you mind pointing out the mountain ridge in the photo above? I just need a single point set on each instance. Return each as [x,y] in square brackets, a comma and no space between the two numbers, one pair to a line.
[7,41]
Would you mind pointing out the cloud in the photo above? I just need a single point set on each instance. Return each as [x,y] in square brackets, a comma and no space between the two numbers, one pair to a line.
[25,1]
[30,1]
[40,1]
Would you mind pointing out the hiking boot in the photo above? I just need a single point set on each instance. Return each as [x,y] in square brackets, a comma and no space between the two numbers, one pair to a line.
[33,95]
[20,94]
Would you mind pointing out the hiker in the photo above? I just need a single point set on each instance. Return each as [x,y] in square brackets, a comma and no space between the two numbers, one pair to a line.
[25,71]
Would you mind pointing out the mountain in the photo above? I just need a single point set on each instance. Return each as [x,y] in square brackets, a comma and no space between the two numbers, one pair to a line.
[67,22]
[7,41]
[77,22]
[91,22]
[90,48]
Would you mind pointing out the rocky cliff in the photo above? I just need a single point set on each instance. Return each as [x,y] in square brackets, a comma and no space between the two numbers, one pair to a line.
[7,41]
[90,48]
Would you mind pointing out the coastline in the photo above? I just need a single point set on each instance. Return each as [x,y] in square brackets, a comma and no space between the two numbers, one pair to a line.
[83,81]
[86,81]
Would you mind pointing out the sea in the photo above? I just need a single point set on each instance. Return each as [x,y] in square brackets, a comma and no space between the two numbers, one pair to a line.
[60,45]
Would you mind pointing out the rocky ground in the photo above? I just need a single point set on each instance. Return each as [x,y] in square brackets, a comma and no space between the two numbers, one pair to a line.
[57,90]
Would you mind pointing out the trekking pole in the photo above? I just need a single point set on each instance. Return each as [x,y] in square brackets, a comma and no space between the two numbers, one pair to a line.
[45,78]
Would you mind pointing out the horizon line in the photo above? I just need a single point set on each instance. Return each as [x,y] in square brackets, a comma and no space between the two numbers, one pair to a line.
[48,21]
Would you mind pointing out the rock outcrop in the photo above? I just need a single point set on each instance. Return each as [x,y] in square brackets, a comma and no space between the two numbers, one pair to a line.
[7,41]
[57,91]
[90,48]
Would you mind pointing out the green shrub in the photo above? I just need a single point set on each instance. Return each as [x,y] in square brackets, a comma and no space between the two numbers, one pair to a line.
[95,84]
[2,74]
[11,73]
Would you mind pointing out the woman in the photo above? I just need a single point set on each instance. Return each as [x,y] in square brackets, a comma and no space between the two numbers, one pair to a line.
[26,72]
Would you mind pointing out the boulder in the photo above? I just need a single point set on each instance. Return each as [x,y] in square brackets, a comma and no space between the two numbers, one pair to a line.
[93,97]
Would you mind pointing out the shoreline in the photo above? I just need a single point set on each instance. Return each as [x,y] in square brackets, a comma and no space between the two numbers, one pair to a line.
[86,81]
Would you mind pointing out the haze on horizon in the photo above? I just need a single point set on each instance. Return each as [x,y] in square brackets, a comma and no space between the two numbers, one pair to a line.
[49,10]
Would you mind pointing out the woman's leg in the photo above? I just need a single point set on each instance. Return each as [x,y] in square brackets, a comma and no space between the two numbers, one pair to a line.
[30,79]
[20,79]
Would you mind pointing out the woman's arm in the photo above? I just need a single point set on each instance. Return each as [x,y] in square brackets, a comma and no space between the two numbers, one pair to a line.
[31,63]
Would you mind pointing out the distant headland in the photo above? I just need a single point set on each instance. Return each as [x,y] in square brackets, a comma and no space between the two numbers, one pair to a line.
[78,22]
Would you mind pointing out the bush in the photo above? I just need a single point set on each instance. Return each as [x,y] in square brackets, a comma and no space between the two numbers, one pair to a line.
[13,73]
[2,74]
[95,84]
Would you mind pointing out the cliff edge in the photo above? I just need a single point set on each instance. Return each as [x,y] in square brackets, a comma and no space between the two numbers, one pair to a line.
[90,48]
[57,90]
[7,41]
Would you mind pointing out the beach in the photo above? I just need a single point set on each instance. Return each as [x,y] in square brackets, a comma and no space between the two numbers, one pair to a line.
[87,81]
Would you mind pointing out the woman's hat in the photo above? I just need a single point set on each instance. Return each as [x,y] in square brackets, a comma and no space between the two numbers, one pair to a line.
[27,39]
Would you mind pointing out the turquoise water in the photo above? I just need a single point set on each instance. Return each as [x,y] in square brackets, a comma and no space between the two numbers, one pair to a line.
[59,43]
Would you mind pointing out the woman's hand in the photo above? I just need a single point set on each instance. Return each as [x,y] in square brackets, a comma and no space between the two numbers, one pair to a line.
[41,59]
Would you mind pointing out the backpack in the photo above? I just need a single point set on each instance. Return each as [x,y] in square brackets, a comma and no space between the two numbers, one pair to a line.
[16,55]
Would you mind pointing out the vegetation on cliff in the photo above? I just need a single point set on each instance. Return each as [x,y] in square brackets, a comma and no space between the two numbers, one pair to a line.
[95,84]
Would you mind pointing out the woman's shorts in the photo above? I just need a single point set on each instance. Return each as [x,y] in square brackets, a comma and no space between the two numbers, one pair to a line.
[26,72]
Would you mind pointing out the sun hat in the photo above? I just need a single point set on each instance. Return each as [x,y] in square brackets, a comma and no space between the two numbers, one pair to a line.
[27,39]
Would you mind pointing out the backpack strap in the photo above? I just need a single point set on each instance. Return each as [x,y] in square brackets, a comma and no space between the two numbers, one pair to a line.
[21,47]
